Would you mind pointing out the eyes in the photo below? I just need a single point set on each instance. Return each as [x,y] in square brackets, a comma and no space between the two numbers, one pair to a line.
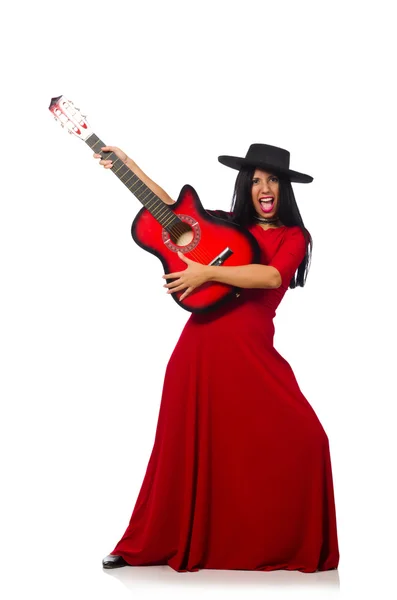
[273,178]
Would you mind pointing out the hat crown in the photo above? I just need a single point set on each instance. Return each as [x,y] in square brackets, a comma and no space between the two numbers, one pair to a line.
[267,157]
[265,153]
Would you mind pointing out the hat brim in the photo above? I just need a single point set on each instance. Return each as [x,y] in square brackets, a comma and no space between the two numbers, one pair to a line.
[235,162]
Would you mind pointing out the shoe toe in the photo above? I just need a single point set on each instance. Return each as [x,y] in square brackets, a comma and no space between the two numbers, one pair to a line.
[113,561]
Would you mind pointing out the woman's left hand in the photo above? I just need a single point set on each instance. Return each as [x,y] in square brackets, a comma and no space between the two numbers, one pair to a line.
[192,277]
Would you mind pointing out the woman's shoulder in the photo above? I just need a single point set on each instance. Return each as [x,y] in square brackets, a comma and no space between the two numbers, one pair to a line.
[297,236]
[294,229]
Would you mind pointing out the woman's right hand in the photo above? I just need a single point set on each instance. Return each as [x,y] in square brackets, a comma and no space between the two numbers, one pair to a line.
[108,164]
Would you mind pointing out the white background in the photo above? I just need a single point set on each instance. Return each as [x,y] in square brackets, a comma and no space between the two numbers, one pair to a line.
[86,326]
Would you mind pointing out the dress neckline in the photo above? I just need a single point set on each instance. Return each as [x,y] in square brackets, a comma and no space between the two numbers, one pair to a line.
[280,227]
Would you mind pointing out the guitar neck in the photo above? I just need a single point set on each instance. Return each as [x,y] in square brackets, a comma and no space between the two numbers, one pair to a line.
[159,209]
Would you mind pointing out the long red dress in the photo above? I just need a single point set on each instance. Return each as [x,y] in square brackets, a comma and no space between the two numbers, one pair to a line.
[240,475]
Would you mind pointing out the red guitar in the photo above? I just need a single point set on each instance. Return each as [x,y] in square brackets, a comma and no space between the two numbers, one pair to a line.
[164,229]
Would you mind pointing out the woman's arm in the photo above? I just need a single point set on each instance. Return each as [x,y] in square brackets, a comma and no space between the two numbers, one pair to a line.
[135,169]
[151,184]
[246,276]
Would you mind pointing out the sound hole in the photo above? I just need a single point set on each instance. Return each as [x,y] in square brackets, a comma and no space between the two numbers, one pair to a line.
[181,234]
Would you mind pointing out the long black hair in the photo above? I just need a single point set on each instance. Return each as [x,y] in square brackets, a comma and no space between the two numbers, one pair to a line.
[243,212]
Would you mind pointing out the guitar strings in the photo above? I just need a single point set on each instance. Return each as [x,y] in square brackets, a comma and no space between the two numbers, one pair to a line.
[199,252]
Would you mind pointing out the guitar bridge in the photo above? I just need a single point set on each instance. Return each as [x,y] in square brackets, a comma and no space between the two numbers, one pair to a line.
[220,259]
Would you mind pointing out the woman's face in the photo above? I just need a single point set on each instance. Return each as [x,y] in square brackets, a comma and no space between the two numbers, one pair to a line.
[265,192]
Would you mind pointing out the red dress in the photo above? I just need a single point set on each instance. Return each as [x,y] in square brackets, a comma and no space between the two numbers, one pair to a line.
[240,475]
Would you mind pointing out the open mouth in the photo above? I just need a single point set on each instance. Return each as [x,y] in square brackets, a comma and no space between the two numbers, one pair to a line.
[267,204]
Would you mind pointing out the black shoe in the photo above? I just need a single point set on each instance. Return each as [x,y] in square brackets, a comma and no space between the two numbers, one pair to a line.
[112,561]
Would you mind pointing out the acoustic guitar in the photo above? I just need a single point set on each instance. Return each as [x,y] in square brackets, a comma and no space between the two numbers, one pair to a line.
[165,229]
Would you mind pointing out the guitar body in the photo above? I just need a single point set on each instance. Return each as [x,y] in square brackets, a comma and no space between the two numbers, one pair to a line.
[206,239]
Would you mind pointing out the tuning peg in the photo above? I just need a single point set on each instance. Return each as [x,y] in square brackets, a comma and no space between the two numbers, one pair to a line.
[62,125]
[69,131]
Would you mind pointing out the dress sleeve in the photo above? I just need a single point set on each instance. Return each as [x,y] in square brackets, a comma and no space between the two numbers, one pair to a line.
[289,255]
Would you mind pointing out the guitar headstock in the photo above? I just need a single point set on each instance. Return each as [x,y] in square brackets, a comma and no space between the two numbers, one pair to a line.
[69,116]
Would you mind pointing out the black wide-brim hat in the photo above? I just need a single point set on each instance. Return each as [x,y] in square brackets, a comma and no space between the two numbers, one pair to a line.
[267,157]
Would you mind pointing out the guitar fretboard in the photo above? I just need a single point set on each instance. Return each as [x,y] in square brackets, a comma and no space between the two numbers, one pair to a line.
[159,209]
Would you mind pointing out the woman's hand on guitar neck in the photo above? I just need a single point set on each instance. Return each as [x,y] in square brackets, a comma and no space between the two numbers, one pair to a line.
[108,163]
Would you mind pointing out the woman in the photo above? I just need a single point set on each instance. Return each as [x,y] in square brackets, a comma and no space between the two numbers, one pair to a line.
[240,473]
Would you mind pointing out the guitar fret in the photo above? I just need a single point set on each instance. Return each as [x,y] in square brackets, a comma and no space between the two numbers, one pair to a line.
[157,210]
[161,210]
[127,171]
[118,168]
[152,204]
[128,180]
[122,173]
[137,190]
[149,201]
[170,219]
[147,195]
